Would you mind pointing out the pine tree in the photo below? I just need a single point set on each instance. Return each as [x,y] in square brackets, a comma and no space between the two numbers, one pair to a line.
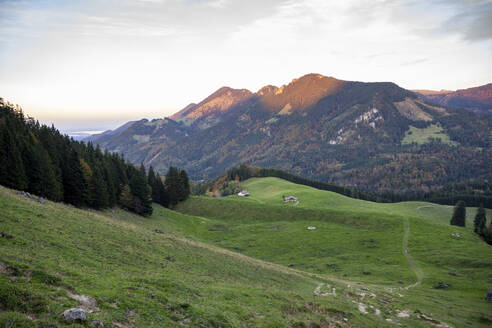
[40,173]
[160,191]
[459,214]
[126,198]
[151,177]
[184,186]
[47,137]
[159,194]
[480,220]
[110,176]
[173,185]
[142,198]
[487,234]
[75,186]
[98,191]
[12,172]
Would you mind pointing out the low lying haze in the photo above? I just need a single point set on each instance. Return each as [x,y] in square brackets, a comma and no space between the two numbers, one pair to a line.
[91,65]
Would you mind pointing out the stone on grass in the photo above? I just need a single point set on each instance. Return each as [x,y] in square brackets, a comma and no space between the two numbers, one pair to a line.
[97,323]
[159,231]
[42,200]
[488,298]
[74,314]
[441,285]
[5,235]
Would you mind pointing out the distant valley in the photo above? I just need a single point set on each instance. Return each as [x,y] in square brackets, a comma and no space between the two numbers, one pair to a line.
[376,136]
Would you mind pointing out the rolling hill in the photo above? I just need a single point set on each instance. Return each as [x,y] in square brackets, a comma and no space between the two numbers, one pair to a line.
[242,262]
[376,136]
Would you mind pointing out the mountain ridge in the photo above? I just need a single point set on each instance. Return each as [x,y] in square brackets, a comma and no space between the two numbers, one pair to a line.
[360,134]
[475,98]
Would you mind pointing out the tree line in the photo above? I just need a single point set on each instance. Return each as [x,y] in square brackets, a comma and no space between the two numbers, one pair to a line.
[447,195]
[40,160]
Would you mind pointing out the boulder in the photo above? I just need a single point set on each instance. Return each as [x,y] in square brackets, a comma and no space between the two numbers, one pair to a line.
[97,323]
[74,314]
[488,298]
[441,285]
[5,235]
[42,200]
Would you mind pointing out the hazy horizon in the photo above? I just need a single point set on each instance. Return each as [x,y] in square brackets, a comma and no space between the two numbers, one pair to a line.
[93,65]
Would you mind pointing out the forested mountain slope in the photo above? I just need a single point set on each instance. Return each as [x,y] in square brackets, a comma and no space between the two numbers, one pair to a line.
[475,99]
[38,159]
[372,135]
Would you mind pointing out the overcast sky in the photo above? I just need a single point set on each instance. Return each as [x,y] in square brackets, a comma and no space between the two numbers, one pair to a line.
[94,64]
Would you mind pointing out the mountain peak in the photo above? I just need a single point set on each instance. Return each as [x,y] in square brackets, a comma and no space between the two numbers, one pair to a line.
[210,109]
[300,93]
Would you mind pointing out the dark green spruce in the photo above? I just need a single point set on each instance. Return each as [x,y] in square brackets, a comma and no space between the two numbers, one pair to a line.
[459,214]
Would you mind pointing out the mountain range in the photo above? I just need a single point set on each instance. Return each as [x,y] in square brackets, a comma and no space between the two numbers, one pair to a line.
[377,136]
[477,99]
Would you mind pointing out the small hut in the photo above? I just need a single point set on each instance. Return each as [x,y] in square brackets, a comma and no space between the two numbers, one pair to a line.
[290,199]
[243,193]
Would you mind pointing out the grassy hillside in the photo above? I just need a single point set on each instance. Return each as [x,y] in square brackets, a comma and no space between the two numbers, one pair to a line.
[270,191]
[139,278]
[240,262]
[354,240]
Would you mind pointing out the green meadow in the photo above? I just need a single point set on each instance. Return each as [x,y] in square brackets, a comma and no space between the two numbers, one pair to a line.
[421,136]
[244,262]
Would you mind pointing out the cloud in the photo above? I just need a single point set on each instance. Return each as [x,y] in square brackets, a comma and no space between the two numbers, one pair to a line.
[473,21]
[163,54]
[109,27]
[415,62]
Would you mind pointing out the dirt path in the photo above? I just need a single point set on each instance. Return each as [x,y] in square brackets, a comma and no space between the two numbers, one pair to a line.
[411,262]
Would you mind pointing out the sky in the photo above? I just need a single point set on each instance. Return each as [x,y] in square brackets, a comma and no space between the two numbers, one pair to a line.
[95,64]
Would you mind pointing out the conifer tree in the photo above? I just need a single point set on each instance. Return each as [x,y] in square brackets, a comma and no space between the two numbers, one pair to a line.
[487,234]
[142,199]
[184,185]
[480,220]
[126,198]
[75,186]
[173,185]
[160,191]
[151,177]
[40,173]
[98,191]
[12,173]
[459,214]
